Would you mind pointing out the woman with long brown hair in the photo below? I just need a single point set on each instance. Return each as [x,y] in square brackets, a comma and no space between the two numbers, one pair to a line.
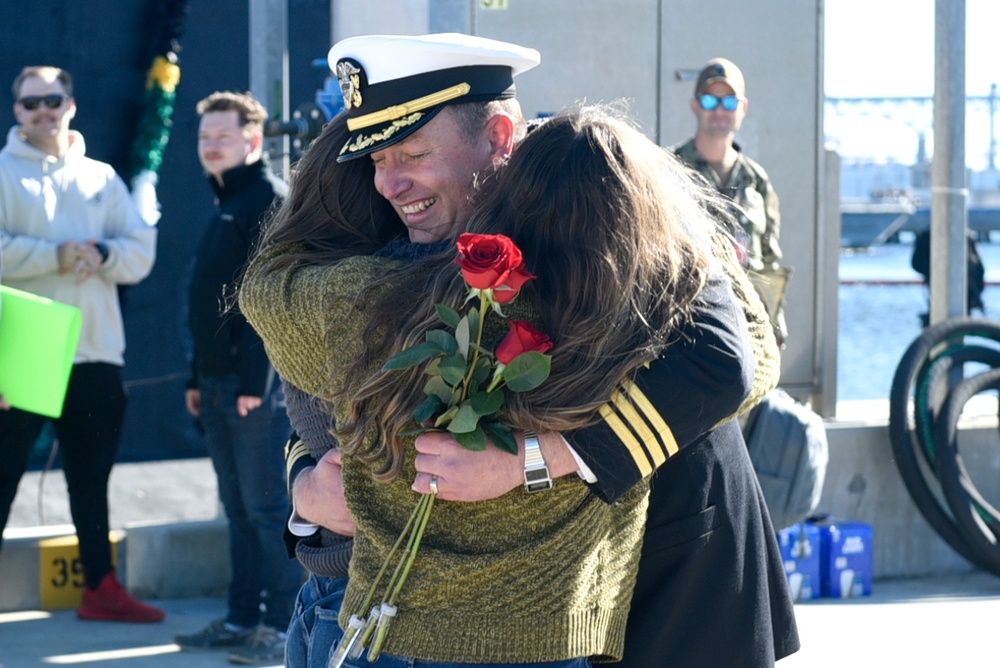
[619,241]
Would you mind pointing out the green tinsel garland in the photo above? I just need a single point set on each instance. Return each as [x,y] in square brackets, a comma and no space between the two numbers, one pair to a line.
[153,132]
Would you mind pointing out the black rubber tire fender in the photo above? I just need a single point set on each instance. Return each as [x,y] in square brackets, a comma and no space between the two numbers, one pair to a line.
[976,518]
[906,452]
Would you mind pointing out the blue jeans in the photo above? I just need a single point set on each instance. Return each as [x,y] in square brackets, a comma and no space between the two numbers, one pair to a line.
[313,631]
[247,453]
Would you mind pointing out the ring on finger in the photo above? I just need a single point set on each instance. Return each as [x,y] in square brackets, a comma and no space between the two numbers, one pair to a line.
[434,485]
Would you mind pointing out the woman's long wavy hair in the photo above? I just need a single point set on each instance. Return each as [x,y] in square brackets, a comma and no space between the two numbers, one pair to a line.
[332,210]
[619,237]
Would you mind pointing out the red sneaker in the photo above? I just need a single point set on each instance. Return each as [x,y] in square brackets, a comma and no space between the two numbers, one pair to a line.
[111,603]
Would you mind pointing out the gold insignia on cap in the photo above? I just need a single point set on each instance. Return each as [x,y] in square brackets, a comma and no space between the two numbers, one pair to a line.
[361,142]
[350,81]
[401,110]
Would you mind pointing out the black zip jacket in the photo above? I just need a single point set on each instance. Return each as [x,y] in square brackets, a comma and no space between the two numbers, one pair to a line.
[224,342]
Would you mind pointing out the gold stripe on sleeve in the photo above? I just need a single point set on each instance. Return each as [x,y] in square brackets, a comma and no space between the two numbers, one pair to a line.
[630,412]
[625,435]
[666,435]
[293,453]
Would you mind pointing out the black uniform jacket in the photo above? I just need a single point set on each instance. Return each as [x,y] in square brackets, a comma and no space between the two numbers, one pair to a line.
[711,590]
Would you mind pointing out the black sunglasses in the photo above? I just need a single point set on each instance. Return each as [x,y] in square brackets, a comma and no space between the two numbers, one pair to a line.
[32,102]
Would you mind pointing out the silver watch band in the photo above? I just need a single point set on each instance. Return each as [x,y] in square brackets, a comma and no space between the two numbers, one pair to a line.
[536,473]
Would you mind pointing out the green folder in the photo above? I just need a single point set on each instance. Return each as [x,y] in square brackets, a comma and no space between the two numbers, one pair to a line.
[38,339]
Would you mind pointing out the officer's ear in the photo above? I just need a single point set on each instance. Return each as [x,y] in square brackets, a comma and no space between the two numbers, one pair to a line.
[500,133]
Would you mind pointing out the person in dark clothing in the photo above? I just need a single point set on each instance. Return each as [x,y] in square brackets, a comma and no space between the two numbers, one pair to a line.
[234,391]
[975,273]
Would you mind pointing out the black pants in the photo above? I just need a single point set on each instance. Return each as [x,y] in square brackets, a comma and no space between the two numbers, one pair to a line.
[89,432]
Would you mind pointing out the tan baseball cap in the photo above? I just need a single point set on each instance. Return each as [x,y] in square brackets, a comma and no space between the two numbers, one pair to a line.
[720,69]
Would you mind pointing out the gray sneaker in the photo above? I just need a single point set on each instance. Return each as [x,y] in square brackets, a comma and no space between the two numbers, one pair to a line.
[265,645]
[216,635]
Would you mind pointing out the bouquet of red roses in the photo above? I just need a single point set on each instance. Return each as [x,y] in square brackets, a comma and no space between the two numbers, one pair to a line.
[466,390]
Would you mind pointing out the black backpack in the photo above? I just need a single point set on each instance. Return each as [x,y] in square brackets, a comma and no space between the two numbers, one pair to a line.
[920,260]
[789,451]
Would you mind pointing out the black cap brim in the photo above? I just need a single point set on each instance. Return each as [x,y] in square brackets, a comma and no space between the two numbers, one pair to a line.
[476,83]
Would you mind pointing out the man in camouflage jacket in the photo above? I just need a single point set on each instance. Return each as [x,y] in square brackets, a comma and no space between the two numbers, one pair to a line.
[720,105]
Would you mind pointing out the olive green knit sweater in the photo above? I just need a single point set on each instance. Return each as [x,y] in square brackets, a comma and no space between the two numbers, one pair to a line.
[522,578]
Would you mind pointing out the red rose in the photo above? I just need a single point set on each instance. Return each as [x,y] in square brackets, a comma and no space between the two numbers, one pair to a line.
[523,337]
[515,279]
[489,261]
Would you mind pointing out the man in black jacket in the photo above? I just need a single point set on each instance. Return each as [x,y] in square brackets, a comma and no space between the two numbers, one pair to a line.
[233,389]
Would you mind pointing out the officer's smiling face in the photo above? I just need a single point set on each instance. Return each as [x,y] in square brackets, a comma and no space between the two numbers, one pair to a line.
[428,177]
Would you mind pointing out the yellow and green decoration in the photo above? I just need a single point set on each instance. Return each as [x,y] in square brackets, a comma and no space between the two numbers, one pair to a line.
[153,131]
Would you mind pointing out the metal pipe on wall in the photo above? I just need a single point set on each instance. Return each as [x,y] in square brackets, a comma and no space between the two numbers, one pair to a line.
[949,195]
[269,72]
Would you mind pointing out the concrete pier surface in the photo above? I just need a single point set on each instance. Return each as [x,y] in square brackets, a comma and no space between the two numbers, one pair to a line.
[944,621]
[182,490]
[176,543]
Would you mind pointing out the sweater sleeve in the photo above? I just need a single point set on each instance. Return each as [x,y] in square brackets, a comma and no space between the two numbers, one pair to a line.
[699,382]
[304,315]
[309,420]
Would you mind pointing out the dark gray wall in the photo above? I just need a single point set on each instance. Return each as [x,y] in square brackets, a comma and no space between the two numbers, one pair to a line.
[107,47]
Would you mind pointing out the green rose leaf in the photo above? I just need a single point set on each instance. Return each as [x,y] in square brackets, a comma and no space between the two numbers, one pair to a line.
[465,420]
[446,417]
[427,409]
[452,369]
[472,440]
[412,356]
[486,403]
[481,373]
[448,315]
[527,371]
[501,436]
[485,352]
[440,389]
[473,324]
[444,340]
[462,336]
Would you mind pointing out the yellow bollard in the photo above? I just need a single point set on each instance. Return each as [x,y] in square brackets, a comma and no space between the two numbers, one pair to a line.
[61,580]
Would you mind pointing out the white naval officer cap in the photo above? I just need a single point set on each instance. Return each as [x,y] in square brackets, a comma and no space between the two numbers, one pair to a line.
[394,84]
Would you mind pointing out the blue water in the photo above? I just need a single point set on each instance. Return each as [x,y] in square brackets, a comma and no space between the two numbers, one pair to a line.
[878,321]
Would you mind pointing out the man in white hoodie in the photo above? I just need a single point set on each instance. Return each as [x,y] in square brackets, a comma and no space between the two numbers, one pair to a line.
[70,232]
